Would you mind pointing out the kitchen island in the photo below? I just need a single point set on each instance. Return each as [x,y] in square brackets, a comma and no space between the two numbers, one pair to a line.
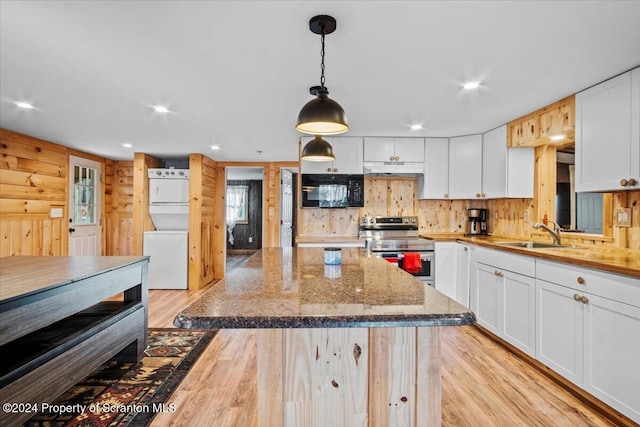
[354,344]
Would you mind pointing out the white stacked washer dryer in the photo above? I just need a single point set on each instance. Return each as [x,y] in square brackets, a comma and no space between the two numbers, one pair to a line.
[168,244]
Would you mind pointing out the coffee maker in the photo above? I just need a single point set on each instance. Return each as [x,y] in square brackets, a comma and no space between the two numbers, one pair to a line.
[477,222]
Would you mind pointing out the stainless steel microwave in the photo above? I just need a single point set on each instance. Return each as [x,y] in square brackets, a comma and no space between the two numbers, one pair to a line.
[332,191]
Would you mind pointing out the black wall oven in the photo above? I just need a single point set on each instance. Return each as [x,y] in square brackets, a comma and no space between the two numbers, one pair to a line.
[332,191]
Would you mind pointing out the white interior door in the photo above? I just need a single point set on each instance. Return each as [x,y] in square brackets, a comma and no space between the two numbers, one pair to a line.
[84,207]
[286,210]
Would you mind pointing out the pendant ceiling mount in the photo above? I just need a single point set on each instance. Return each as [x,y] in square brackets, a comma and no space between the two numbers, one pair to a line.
[322,24]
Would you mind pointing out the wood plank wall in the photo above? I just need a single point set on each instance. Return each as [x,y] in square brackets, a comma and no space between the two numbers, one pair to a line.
[119,207]
[507,217]
[34,179]
[141,219]
[204,253]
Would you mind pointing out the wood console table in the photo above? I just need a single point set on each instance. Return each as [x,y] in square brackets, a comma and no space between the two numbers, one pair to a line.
[56,327]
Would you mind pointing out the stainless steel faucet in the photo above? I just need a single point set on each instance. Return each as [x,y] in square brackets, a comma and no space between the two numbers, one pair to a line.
[555,232]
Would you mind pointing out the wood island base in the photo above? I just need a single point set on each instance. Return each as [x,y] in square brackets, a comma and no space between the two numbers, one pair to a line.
[349,376]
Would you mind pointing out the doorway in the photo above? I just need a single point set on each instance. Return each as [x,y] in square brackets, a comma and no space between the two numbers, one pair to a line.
[85,230]
[243,212]
[289,177]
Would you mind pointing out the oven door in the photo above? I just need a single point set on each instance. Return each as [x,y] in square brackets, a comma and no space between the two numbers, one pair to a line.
[428,271]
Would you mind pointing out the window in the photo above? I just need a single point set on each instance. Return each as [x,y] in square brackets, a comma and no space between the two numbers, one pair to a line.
[237,204]
[84,189]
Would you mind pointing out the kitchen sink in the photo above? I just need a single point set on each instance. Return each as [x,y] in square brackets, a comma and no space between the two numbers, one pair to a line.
[537,245]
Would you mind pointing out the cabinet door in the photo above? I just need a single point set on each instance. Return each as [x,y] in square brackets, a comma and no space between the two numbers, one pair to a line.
[494,163]
[446,280]
[463,264]
[604,154]
[408,149]
[559,329]
[435,184]
[520,168]
[378,149]
[518,314]
[348,152]
[611,349]
[487,297]
[465,167]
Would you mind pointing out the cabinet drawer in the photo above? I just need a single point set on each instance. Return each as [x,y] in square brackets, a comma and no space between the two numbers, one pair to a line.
[616,287]
[506,261]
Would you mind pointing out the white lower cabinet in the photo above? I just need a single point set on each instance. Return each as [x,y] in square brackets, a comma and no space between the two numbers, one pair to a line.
[504,300]
[588,330]
[559,330]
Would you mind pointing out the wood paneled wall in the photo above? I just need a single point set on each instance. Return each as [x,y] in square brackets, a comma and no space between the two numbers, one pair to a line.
[206,251]
[119,207]
[141,219]
[506,217]
[34,179]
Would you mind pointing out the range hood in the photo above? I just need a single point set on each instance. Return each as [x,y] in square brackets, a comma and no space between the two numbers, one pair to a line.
[394,168]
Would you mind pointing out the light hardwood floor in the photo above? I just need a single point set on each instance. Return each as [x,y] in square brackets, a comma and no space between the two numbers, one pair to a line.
[483,384]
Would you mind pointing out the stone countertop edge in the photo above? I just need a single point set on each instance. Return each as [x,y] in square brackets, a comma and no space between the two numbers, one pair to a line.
[294,322]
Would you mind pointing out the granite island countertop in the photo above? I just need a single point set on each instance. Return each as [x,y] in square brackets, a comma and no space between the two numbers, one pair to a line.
[293,288]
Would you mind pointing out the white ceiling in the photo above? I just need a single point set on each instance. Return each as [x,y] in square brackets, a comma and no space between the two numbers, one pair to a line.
[236,73]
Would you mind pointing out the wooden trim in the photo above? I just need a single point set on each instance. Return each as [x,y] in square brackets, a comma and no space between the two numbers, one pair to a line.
[591,401]
[141,220]
[195,220]
[219,225]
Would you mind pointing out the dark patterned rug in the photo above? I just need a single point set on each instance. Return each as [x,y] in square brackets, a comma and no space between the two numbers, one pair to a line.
[127,394]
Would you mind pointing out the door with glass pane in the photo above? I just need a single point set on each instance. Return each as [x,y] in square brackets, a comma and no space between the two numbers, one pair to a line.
[84,207]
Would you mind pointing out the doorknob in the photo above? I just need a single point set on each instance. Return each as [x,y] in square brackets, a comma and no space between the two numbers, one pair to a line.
[71,229]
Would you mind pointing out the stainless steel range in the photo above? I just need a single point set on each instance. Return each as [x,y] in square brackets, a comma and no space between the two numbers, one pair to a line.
[391,237]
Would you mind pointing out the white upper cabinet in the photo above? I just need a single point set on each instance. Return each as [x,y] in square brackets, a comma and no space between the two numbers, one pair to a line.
[520,164]
[506,172]
[608,135]
[465,167]
[348,152]
[379,149]
[435,184]
[494,163]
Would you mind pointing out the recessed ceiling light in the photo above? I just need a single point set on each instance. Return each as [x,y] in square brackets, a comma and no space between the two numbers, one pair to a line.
[127,145]
[24,105]
[471,85]
[416,126]
[215,147]
[558,137]
[161,109]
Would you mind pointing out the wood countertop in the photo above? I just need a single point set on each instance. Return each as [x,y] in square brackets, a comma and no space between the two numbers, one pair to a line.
[293,288]
[21,275]
[614,260]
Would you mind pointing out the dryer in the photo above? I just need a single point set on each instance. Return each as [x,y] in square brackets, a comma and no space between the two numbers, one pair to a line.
[167,246]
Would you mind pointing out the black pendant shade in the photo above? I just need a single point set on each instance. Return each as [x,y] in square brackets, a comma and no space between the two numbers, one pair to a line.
[317,150]
[322,115]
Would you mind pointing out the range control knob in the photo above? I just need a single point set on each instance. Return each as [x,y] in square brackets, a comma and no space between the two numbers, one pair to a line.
[159,173]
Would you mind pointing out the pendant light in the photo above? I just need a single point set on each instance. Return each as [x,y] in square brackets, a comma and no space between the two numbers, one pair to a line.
[318,150]
[322,115]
